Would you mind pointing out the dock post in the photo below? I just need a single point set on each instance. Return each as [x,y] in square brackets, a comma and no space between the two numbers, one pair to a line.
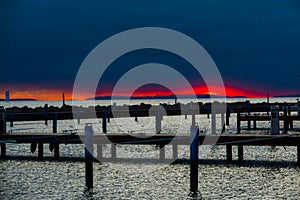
[104,123]
[229,153]
[274,120]
[3,150]
[285,121]
[99,151]
[194,157]
[135,114]
[162,153]
[55,123]
[223,122]
[56,151]
[254,124]
[11,116]
[228,111]
[240,153]
[2,120]
[238,121]
[158,121]
[40,150]
[298,108]
[249,113]
[289,110]
[46,114]
[298,155]
[88,140]
[213,122]
[113,151]
[175,151]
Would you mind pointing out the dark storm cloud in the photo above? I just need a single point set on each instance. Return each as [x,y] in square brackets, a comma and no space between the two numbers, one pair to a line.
[254,43]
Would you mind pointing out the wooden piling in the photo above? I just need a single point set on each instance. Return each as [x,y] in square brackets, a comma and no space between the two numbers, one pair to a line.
[194,158]
[88,135]
[2,121]
[40,151]
[104,124]
[56,151]
[254,124]
[228,111]
[229,153]
[55,123]
[46,114]
[238,121]
[240,153]
[11,116]
[193,120]
[285,121]
[223,122]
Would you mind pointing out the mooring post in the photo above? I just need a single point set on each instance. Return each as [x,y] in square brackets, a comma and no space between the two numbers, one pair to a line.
[289,110]
[56,151]
[104,123]
[88,141]
[99,151]
[228,111]
[213,122]
[3,130]
[2,120]
[229,153]
[162,153]
[55,123]
[223,122]
[254,124]
[135,114]
[40,150]
[285,122]
[194,157]
[249,114]
[46,114]
[158,121]
[11,116]
[238,121]
[240,153]
[274,120]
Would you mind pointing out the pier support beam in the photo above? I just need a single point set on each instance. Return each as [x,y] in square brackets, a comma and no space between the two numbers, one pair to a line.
[55,123]
[104,124]
[56,151]
[88,135]
[194,158]
[240,154]
[223,122]
[229,153]
[40,151]
[238,122]
[158,121]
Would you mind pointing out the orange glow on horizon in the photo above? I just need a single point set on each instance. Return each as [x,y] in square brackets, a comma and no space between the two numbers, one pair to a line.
[55,94]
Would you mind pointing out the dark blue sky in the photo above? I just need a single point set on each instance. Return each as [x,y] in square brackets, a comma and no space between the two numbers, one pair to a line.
[255,44]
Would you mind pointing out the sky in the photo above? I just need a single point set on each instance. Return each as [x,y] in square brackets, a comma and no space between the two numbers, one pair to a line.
[255,44]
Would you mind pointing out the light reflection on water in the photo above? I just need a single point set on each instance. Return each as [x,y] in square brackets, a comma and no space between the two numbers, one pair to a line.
[266,174]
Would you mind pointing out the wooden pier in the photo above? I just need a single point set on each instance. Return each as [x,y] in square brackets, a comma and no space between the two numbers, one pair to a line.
[229,140]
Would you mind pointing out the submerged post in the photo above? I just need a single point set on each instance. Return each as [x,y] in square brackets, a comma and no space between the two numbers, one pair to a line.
[88,141]
[194,156]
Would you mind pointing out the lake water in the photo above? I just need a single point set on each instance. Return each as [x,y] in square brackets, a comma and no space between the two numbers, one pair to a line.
[266,173]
